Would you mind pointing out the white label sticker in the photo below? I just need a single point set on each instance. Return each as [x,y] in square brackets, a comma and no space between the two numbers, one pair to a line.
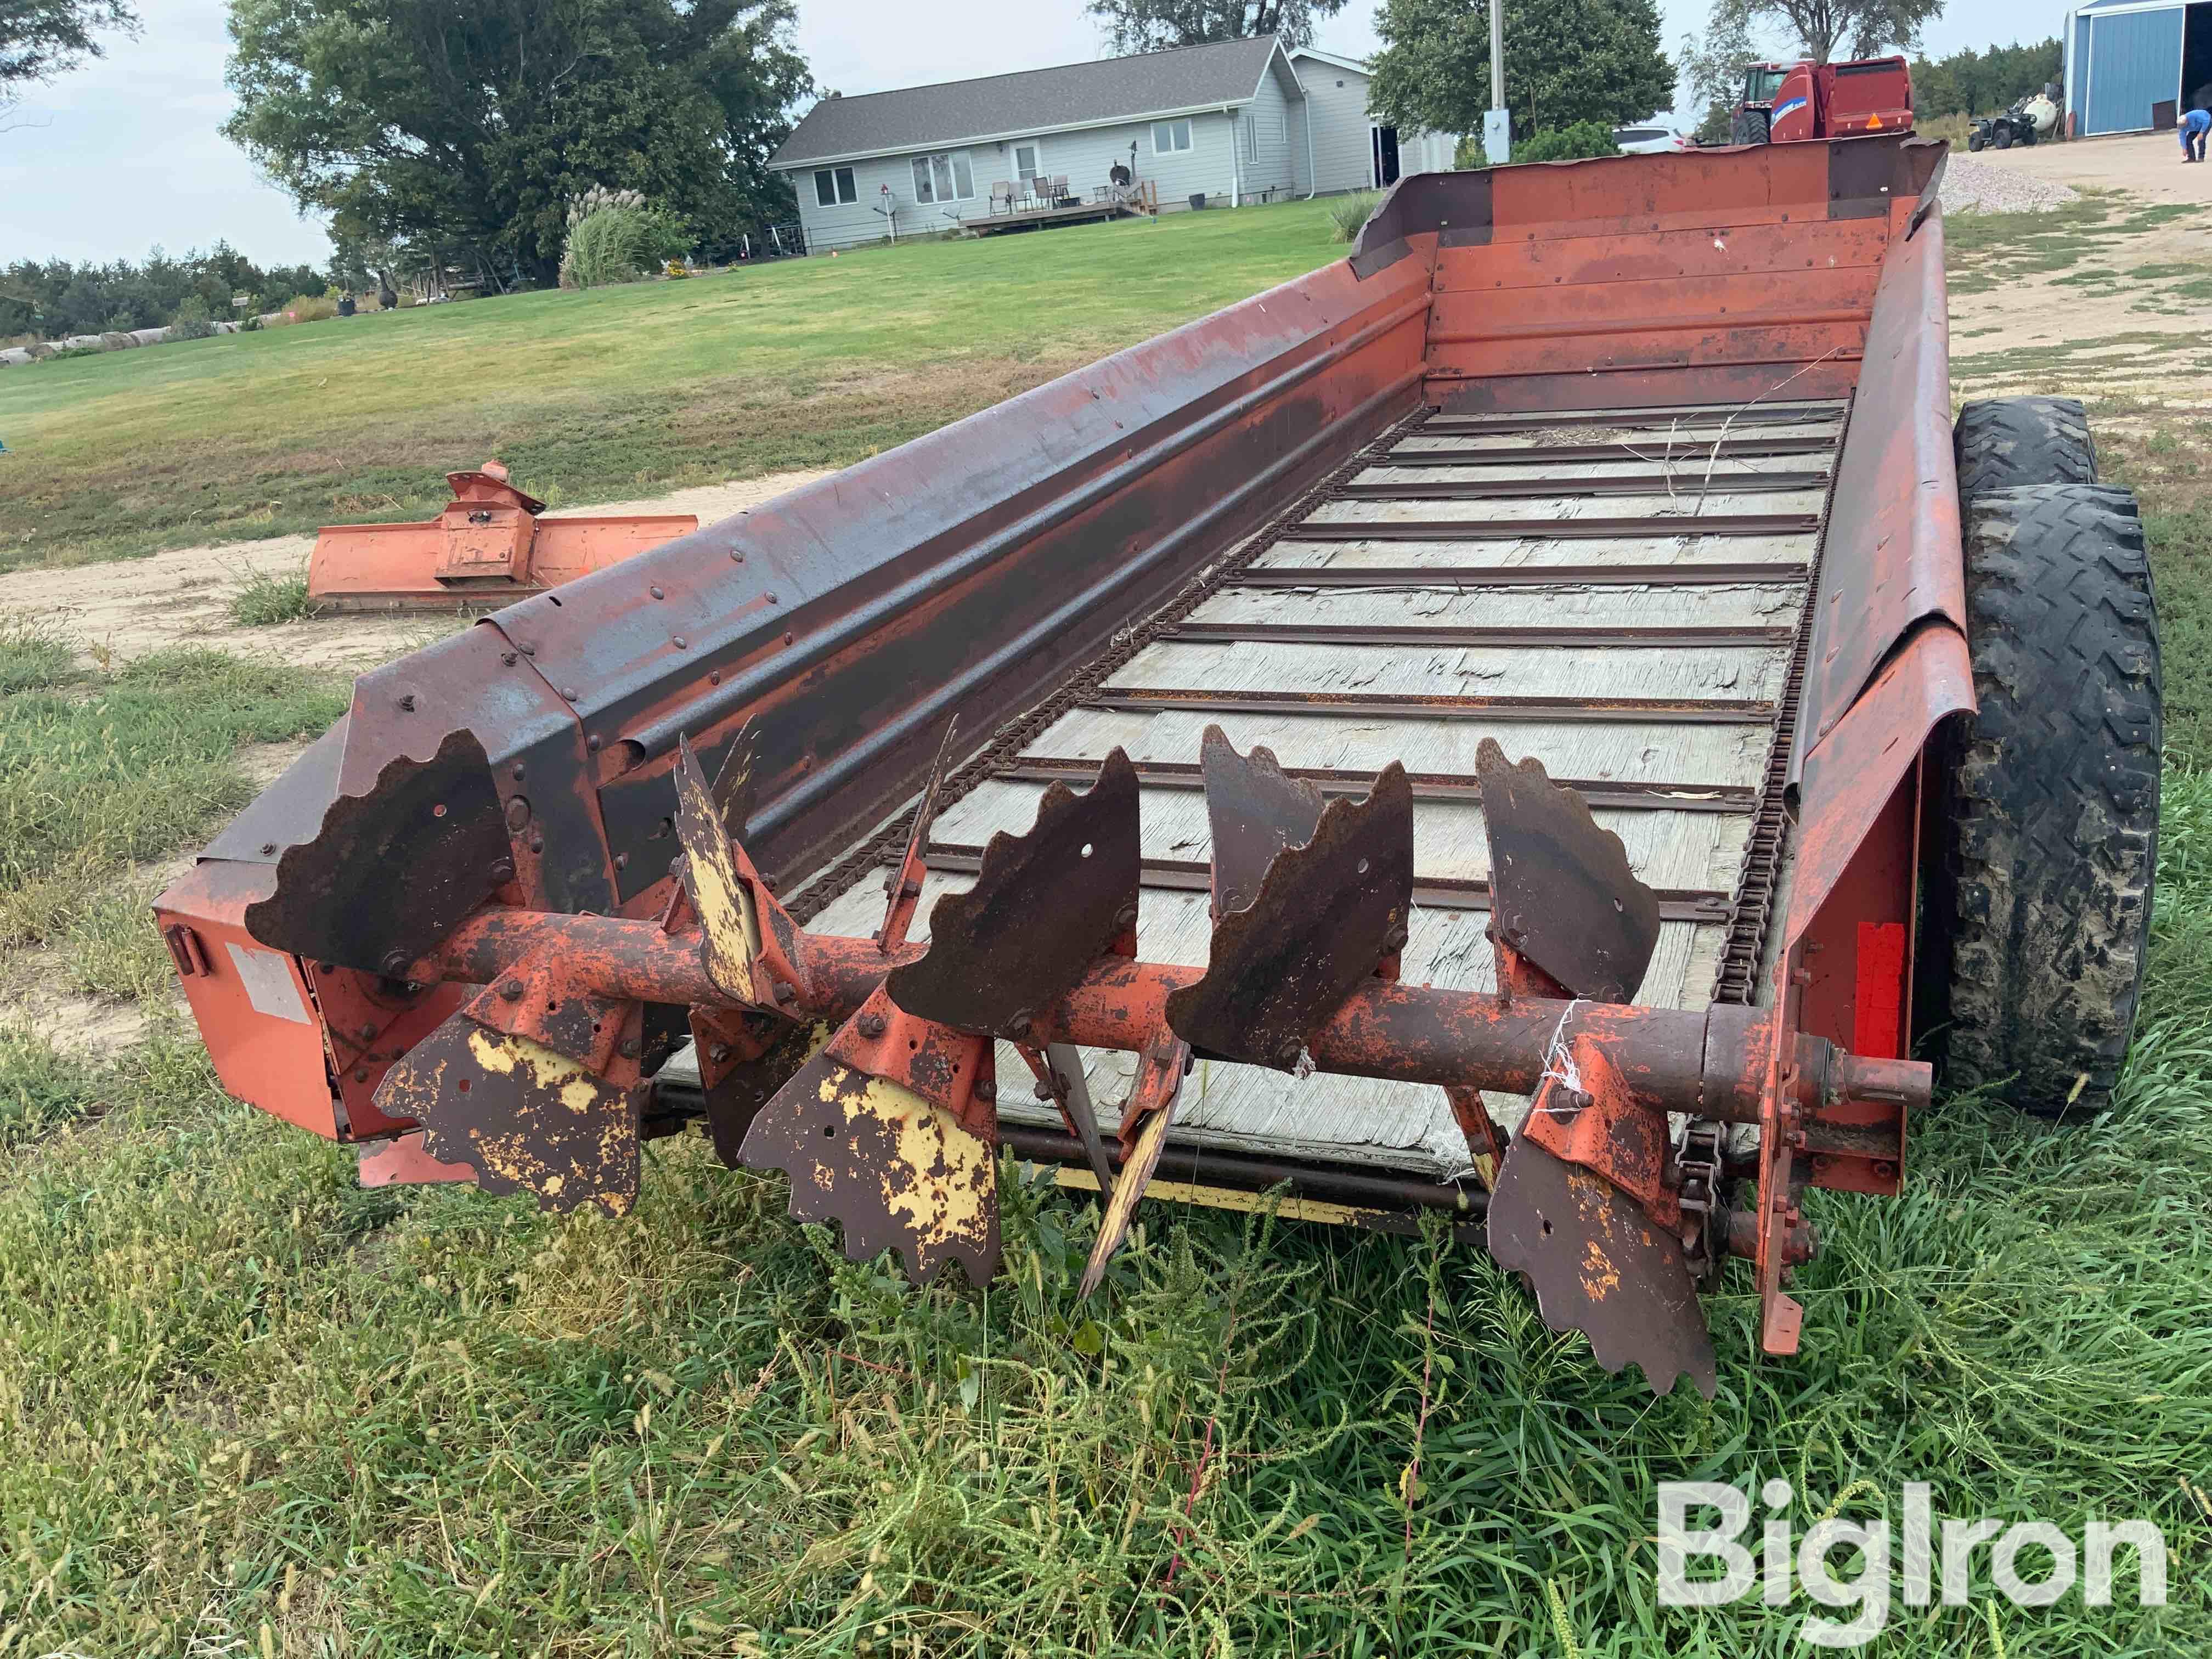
[268,984]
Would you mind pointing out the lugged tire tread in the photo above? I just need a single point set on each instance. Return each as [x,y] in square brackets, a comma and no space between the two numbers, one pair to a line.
[2054,793]
[2010,443]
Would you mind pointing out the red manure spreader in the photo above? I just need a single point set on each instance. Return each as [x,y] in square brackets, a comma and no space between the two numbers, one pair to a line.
[1530,721]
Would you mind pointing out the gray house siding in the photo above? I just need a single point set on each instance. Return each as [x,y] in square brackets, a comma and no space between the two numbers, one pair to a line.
[1342,158]
[1298,127]
[1271,154]
[1213,164]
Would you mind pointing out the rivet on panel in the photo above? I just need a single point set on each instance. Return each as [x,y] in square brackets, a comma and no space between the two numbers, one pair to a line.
[656,593]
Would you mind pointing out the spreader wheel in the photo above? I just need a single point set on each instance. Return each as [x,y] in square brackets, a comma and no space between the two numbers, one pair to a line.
[2053,791]
[2008,443]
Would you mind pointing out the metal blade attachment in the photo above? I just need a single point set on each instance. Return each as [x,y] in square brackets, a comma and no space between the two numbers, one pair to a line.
[728,919]
[902,891]
[1599,1262]
[391,874]
[1059,1071]
[1045,906]
[890,1131]
[525,1117]
[1144,1124]
[1324,914]
[1562,897]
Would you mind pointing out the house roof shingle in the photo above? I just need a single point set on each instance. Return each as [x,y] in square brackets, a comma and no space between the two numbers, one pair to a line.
[1029,101]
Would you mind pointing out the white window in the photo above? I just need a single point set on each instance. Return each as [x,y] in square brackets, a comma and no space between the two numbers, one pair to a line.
[833,186]
[1028,162]
[1170,138]
[942,177]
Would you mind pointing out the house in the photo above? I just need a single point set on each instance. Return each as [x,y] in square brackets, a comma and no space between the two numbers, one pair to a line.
[1233,122]
[2132,65]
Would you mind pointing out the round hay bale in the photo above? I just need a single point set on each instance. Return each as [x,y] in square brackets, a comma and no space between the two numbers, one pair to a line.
[116,340]
[12,354]
[146,337]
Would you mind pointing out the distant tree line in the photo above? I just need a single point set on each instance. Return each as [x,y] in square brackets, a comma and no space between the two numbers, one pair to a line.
[56,298]
[1973,83]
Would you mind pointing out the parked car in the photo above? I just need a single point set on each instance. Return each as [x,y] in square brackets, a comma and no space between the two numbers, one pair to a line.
[1647,141]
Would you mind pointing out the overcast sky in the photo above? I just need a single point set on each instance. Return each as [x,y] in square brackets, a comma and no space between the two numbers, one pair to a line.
[126,154]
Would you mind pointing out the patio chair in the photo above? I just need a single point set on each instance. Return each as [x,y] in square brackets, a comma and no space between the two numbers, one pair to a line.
[1059,188]
[1002,197]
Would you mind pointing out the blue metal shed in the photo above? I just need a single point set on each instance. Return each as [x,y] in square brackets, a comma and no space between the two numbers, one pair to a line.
[2123,56]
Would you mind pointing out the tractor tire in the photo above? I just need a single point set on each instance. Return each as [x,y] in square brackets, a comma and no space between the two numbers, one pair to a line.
[2008,443]
[2052,794]
[1750,126]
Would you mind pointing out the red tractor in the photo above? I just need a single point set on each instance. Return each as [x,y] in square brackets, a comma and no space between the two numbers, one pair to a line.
[1785,103]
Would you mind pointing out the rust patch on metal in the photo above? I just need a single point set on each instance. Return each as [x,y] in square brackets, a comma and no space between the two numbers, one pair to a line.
[1599,1124]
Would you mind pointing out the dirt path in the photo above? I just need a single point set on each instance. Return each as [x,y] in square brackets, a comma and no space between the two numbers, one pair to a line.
[127,607]
[2128,318]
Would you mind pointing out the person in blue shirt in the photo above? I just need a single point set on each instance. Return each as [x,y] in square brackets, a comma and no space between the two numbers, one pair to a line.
[2193,128]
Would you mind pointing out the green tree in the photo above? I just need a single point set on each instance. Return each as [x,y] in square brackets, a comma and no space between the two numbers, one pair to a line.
[1598,61]
[1969,82]
[1826,29]
[1154,25]
[461,128]
[40,39]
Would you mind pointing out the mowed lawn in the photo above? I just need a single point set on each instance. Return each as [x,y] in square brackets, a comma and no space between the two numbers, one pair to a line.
[248,1408]
[603,395]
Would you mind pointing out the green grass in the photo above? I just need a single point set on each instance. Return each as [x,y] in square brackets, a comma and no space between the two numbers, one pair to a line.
[2160,454]
[132,771]
[264,600]
[1989,250]
[614,392]
[34,654]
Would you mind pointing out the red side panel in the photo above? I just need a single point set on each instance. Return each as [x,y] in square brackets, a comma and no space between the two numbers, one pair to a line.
[1874,96]
[251,1003]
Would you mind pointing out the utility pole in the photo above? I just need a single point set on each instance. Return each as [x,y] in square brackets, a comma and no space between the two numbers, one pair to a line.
[1496,126]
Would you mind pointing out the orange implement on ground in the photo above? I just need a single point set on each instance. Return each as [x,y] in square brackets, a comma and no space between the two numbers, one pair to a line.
[489,546]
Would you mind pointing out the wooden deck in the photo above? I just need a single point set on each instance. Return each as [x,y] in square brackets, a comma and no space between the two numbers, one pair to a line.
[1040,218]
